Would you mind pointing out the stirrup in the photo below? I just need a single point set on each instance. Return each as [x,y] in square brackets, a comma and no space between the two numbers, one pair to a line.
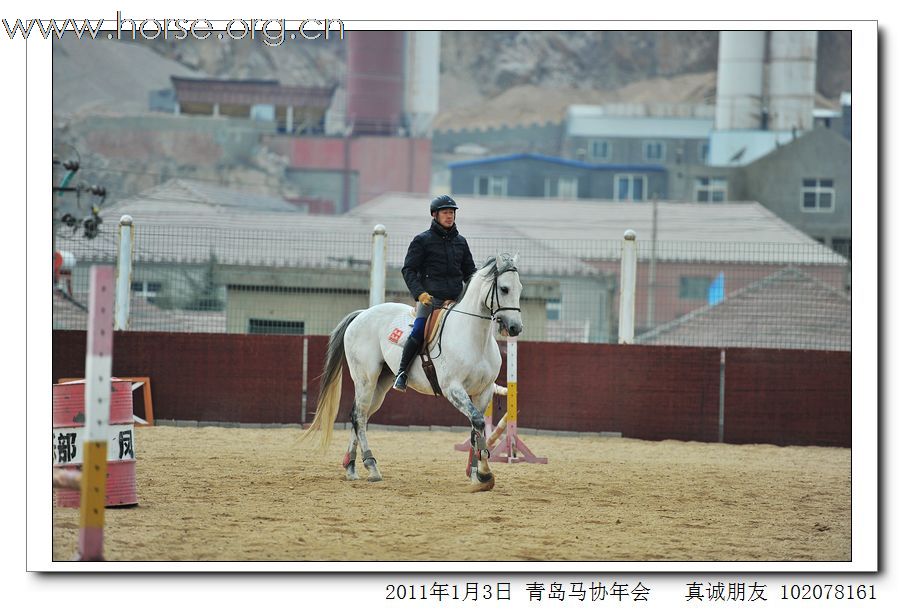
[401,382]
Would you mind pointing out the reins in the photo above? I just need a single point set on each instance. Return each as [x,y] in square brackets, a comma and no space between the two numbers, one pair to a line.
[492,295]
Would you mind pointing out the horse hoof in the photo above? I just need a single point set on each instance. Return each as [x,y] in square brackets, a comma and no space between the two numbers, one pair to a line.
[376,478]
[352,476]
[488,485]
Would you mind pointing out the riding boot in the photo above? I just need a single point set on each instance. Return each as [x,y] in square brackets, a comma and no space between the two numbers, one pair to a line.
[412,347]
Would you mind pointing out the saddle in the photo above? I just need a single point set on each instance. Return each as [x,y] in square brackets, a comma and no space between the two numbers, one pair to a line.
[431,328]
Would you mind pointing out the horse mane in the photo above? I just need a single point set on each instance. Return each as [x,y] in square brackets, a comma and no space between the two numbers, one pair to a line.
[489,268]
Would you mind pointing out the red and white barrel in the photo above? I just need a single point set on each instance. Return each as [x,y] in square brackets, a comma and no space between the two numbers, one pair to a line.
[68,441]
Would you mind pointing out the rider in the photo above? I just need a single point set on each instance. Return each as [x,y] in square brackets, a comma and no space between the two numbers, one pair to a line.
[438,262]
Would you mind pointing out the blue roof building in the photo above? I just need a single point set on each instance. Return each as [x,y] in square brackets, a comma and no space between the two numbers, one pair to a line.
[544,176]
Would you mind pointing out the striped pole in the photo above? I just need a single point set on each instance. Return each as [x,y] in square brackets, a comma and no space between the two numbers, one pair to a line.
[98,366]
[511,413]
[512,449]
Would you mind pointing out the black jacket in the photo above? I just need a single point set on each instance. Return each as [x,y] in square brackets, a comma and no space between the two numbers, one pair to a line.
[439,261]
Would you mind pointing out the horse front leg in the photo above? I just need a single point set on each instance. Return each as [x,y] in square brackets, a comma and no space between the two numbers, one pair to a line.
[482,478]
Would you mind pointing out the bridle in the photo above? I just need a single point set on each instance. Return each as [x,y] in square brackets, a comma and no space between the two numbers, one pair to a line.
[493,295]
[489,301]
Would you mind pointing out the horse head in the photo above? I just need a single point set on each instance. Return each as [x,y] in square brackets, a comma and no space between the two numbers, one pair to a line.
[504,296]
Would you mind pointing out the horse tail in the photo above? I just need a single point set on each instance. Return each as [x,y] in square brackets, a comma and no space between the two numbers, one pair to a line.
[330,384]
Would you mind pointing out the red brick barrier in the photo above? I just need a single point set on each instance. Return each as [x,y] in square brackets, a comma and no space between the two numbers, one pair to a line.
[653,393]
[788,397]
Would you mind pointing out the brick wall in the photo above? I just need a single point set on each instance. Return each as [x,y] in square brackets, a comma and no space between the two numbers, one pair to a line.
[652,393]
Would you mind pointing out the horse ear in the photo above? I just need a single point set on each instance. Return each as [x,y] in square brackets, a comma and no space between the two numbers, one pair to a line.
[504,261]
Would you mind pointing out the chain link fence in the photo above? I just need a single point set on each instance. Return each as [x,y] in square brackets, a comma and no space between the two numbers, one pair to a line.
[243,280]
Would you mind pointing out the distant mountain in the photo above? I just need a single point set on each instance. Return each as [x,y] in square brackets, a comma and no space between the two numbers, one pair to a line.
[105,76]
[482,71]
[488,77]
[479,69]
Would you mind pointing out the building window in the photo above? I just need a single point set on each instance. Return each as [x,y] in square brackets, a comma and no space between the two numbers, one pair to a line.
[270,326]
[818,195]
[654,150]
[710,189]
[553,310]
[694,287]
[146,289]
[630,187]
[491,185]
[564,187]
[703,152]
[600,150]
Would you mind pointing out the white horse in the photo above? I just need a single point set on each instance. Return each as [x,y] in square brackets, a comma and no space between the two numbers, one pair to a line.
[467,362]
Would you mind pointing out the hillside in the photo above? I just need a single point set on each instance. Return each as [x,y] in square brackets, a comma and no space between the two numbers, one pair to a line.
[485,77]
[491,76]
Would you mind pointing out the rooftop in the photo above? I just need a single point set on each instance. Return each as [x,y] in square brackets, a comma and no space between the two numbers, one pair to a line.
[596,121]
[251,91]
[788,309]
[558,160]
[690,228]
[186,222]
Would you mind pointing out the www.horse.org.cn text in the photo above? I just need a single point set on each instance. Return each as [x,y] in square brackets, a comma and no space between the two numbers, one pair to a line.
[271,32]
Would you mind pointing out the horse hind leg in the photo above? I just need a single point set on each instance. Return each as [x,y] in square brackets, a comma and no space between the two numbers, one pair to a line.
[348,462]
[359,438]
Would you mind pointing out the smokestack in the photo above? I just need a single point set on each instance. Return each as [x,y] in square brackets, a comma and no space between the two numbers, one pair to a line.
[792,80]
[421,82]
[375,81]
[739,82]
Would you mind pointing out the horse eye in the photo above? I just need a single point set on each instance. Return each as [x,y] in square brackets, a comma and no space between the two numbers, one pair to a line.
[505,290]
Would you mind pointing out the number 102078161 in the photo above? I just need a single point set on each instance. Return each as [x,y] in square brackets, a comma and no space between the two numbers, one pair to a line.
[828,591]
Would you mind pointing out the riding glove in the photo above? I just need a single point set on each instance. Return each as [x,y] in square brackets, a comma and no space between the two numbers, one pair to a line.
[425,298]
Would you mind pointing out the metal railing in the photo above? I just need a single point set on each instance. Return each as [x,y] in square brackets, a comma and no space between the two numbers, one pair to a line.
[245,280]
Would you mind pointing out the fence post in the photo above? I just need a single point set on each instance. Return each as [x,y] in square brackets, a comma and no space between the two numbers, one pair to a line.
[123,274]
[626,292]
[378,266]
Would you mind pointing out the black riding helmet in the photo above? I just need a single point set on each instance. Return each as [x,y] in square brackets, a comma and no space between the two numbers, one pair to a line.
[442,202]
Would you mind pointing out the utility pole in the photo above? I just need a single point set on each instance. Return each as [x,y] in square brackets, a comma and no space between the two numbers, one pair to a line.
[651,276]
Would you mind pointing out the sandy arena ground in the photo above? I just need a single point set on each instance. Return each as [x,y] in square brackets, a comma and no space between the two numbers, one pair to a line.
[241,494]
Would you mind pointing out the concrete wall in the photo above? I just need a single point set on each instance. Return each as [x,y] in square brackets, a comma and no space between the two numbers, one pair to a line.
[320,312]
[631,150]
[775,182]
[652,393]
[391,164]
[382,163]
